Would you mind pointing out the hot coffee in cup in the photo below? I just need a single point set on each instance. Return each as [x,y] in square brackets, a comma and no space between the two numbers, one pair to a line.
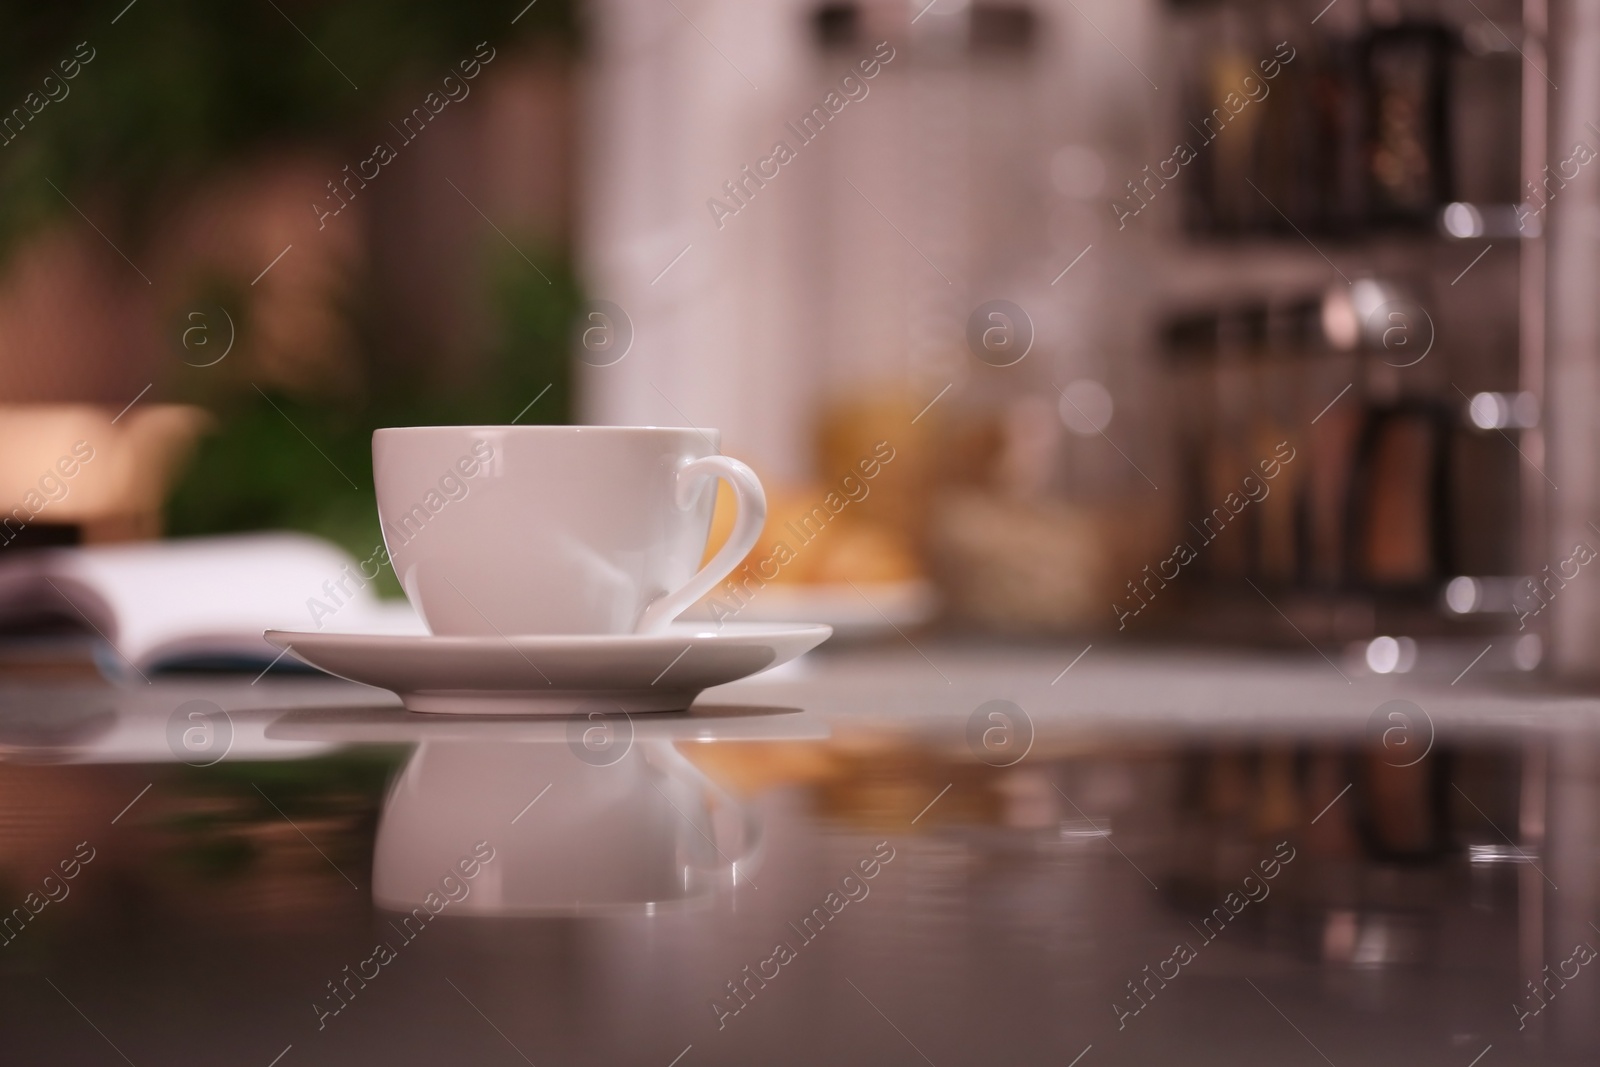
[502,530]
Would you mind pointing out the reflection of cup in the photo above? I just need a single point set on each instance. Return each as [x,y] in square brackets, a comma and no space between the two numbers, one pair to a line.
[497,530]
[569,837]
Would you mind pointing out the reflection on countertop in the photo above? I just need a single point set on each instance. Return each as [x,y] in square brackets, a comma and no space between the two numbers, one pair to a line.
[971,855]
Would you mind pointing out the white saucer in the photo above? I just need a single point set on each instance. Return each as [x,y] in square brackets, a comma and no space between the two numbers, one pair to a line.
[554,674]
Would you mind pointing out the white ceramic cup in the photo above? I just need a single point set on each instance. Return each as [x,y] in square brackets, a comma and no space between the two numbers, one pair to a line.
[502,530]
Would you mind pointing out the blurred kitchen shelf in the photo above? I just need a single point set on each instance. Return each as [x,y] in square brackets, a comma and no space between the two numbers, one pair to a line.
[1333,620]
[1219,270]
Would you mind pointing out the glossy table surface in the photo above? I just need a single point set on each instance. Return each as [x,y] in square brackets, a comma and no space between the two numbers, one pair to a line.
[942,854]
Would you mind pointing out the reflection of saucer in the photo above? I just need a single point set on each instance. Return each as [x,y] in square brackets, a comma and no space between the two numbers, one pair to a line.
[554,674]
[391,725]
[571,815]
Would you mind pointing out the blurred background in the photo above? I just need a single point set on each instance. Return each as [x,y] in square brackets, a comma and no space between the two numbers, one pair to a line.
[1171,329]
[1249,321]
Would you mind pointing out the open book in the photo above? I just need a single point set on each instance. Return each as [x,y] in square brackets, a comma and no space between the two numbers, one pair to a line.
[197,602]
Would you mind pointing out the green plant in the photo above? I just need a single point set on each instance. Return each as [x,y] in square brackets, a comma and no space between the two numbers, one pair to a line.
[298,462]
[166,93]
[178,87]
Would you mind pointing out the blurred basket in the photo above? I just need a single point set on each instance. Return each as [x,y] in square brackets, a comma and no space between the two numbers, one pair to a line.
[81,473]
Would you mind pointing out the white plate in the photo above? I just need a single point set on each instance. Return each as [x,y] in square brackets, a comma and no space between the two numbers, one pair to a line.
[554,674]
[855,611]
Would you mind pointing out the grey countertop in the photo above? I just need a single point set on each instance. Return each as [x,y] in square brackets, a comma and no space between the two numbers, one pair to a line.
[1132,856]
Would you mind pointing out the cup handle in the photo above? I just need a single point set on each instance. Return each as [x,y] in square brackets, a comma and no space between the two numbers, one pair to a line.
[751,501]
[749,853]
